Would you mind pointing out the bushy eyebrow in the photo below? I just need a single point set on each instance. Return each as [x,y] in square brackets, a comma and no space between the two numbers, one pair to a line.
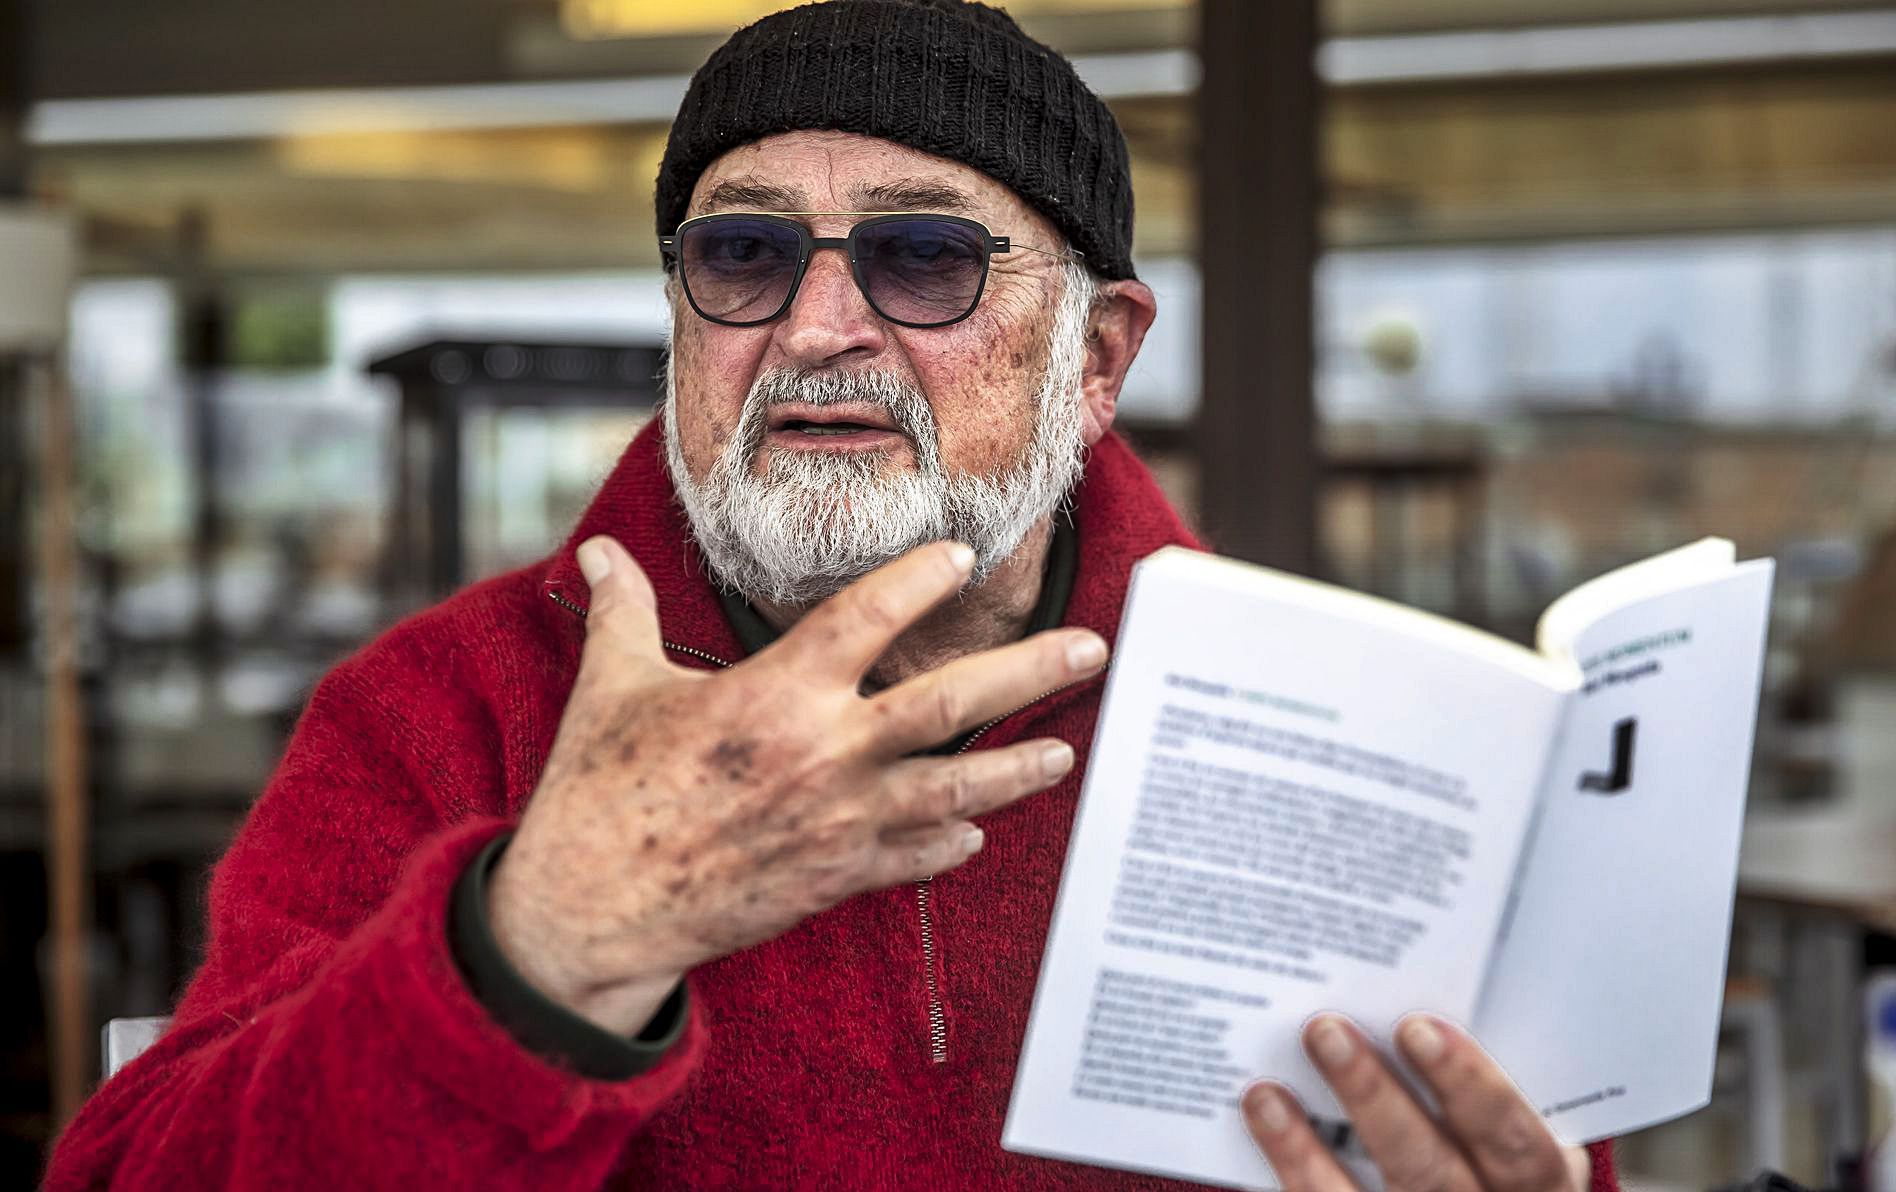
[912,194]
[753,194]
[902,194]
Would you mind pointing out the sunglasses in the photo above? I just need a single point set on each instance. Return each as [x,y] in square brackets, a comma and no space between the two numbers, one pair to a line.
[741,269]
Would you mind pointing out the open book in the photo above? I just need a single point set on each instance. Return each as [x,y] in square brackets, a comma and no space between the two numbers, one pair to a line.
[1301,798]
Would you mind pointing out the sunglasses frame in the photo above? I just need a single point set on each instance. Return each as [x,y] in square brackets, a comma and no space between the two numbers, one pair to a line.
[807,244]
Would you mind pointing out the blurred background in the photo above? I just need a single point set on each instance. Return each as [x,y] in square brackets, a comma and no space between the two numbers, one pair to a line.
[1462,302]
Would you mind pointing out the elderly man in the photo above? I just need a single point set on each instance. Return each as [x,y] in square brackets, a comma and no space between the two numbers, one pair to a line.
[702,854]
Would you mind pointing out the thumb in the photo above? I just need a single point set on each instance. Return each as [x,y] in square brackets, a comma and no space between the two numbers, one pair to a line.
[623,609]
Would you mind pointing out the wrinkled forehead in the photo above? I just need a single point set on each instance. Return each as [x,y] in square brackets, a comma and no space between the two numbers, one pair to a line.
[836,171]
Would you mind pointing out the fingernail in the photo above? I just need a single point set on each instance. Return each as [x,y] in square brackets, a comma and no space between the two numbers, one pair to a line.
[971,841]
[962,555]
[1085,653]
[594,563]
[1422,1040]
[1332,1043]
[1266,1104]
[1056,759]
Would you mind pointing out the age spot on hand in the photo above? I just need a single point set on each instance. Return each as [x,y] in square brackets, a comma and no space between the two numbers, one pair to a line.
[679,884]
[735,758]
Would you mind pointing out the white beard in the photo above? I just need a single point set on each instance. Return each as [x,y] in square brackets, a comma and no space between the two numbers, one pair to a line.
[816,521]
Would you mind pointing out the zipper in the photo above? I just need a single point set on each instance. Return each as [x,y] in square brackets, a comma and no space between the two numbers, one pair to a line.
[924,888]
[695,653]
[937,1019]
[924,892]
[566,604]
[579,612]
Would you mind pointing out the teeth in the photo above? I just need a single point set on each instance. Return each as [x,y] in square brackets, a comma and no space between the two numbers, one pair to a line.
[831,428]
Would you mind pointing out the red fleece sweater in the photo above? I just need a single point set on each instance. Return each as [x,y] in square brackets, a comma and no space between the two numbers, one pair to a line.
[330,1042]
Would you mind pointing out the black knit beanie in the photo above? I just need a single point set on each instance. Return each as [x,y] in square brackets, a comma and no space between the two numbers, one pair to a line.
[956,79]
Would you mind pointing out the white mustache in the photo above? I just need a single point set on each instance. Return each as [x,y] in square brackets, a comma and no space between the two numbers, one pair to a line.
[905,406]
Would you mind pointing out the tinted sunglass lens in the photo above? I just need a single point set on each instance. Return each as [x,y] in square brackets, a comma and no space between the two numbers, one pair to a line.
[922,271]
[738,270]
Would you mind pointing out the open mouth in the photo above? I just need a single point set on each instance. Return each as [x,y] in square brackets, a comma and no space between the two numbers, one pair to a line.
[852,426]
[802,427]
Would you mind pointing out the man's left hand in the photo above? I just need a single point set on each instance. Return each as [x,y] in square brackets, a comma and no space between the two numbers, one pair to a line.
[1486,1138]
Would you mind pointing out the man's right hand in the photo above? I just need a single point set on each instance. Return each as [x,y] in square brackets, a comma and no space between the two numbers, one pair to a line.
[685,814]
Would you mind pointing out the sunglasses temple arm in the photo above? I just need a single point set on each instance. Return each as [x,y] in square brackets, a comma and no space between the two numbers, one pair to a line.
[1073,255]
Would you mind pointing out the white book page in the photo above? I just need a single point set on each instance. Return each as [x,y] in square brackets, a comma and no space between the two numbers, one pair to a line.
[1604,999]
[1295,802]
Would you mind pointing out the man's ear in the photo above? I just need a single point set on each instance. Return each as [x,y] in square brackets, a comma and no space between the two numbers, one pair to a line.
[1114,331]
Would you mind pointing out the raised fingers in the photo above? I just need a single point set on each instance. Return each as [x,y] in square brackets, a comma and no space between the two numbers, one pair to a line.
[933,707]
[843,636]
[940,790]
[1508,1142]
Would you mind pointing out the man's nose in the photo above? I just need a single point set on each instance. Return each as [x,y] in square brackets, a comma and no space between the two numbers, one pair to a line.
[829,319]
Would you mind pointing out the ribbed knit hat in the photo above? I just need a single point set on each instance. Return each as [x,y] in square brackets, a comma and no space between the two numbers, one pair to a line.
[948,77]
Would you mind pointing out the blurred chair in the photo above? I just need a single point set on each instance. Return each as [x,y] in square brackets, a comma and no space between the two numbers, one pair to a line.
[444,380]
[1751,1018]
[125,1039]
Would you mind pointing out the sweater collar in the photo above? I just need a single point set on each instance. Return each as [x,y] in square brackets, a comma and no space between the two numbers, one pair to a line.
[1119,514]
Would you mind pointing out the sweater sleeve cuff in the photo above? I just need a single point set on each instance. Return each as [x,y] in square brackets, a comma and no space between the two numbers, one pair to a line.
[541,1024]
[401,970]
